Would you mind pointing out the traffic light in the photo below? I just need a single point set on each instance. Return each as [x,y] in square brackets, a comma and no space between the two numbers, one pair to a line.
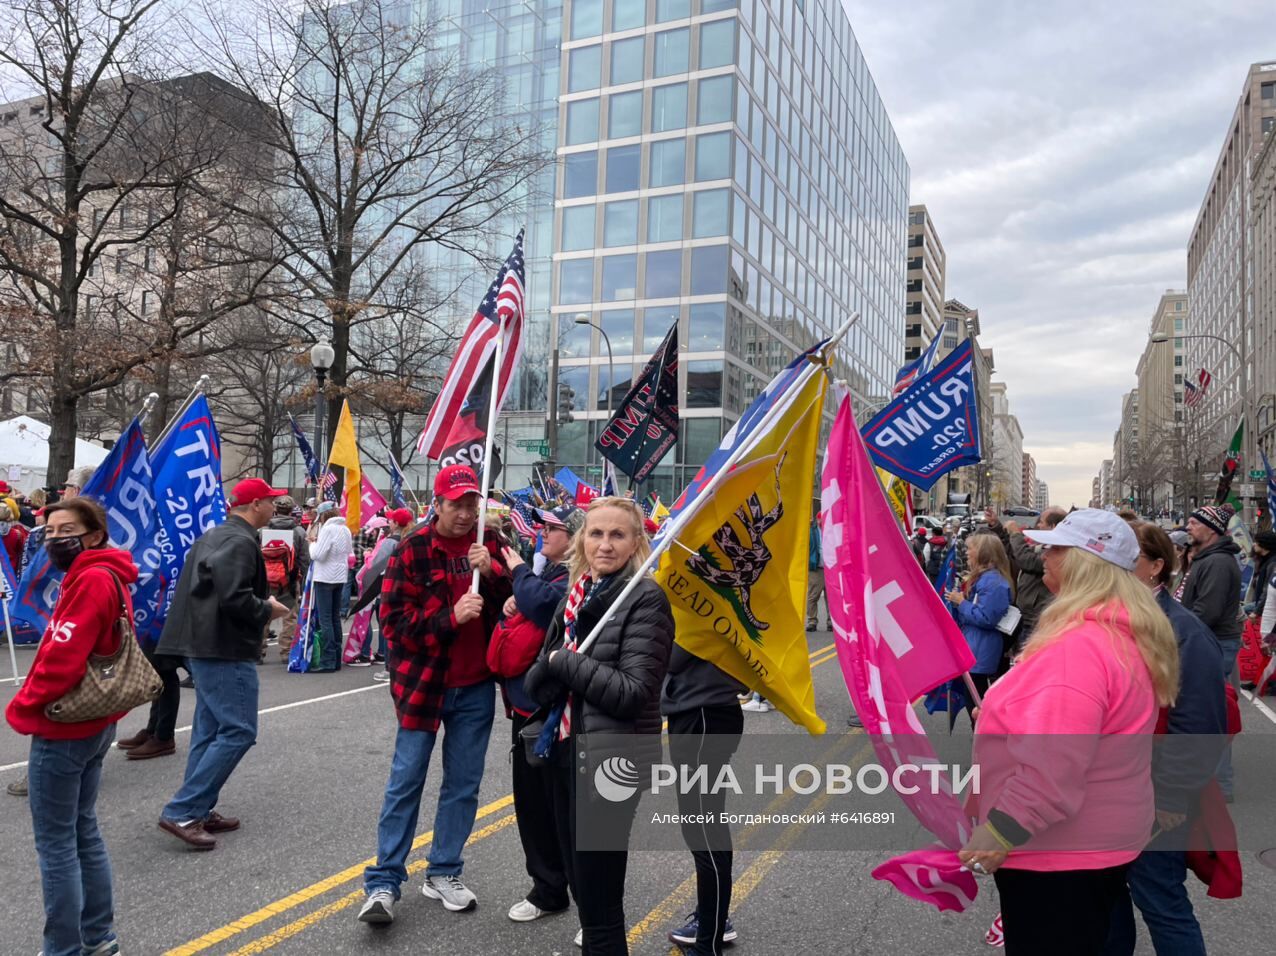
[565,396]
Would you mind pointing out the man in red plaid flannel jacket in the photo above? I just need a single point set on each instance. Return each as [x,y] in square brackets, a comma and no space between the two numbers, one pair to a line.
[436,634]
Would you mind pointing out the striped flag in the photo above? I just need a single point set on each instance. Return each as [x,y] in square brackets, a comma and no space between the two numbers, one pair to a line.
[396,485]
[1271,491]
[519,515]
[307,453]
[329,485]
[1194,392]
[502,306]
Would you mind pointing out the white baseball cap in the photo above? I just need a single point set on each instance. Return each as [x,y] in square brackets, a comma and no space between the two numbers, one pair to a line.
[1102,533]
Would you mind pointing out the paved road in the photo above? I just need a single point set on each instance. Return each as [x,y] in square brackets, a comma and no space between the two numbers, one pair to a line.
[289,881]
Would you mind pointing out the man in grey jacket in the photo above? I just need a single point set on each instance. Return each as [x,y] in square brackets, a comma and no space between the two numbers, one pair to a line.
[1031,594]
[221,604]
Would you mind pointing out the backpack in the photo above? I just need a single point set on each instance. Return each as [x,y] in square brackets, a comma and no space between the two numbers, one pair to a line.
[280,561]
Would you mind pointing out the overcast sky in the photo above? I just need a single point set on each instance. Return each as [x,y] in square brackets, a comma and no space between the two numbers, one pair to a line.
[1063,150]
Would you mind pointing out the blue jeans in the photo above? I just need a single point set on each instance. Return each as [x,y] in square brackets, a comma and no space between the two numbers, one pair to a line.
[467,725]
[1157,880]
[225,728]
[75,870]
[328,607]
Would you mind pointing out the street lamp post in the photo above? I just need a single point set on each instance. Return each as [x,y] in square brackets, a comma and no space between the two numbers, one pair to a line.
[1249,439]
[322,356]
[583,319]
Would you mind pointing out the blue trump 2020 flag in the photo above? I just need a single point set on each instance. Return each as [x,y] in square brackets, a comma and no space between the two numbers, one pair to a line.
[124,487]
[187,469]
[933,427]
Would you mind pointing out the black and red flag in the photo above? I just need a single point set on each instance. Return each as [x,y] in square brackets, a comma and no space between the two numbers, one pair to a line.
[645,426]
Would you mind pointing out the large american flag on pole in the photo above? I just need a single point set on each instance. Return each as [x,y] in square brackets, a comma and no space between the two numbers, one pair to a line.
[1194,392]
[503,301]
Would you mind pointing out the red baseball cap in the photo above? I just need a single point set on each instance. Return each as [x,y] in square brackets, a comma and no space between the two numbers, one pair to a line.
[253,489]
[455,481]
[399,516]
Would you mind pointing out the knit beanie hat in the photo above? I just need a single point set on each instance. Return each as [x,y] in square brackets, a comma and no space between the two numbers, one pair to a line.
[1266,540]
[1215,517]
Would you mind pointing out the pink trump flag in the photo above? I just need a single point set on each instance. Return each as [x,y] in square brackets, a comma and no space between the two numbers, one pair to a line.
[932,876]
[370,501]
[895,639]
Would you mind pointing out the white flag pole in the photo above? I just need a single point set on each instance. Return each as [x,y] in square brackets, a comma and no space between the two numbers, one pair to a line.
[675,525]
[493,407]
[8,633]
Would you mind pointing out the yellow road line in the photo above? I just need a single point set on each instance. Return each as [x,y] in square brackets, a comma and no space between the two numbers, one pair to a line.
[752,876]
[306,894]
[273,939]
[348,875]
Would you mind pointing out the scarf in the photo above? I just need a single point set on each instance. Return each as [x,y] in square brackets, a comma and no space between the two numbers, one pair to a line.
[575,600]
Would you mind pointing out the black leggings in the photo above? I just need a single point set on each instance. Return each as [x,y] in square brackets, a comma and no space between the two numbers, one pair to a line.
[1059,913]
[597,877]
[162,722]
[707,736]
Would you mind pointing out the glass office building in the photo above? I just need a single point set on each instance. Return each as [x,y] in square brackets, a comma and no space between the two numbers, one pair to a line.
[726,165]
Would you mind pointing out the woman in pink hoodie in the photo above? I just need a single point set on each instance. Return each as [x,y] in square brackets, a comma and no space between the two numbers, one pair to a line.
[1064,743]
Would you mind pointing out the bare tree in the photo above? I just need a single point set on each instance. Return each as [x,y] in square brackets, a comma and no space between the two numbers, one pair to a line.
[257,378]
[388,145]
[97,164]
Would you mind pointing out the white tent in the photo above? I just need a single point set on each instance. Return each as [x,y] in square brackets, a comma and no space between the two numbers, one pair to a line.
[24,454]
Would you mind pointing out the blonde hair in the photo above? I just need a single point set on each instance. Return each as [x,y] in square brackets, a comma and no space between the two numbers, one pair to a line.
[642,547]
[1088,583]
[989,555]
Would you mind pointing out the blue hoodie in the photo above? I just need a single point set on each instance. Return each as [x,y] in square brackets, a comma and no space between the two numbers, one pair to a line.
[978,615]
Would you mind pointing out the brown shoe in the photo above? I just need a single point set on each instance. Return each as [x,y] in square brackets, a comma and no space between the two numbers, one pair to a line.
[154,747]
[192,833]
[216,823]
[139,738]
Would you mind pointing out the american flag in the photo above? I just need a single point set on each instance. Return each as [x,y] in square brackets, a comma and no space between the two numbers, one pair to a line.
[396,485]
[501,306]
[1194,392]
[329,485]
[522,517]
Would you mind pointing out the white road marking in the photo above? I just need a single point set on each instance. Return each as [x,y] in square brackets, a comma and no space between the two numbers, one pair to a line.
[268,710]
[1263,708]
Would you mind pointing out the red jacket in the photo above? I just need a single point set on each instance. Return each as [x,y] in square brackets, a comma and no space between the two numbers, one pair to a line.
[15,542]
[83,623]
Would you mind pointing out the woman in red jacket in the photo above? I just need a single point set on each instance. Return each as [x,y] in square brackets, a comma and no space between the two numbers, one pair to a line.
[65,767]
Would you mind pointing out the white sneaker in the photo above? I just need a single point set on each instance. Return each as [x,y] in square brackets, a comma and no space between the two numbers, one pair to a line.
[757,706]
[381,676]
[524,911]
[450,891]
[378,908]
[580,938]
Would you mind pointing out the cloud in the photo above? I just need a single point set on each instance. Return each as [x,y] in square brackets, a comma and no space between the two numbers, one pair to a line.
[1063,151]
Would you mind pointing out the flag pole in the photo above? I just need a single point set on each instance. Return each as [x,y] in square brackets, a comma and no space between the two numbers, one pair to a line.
[147,404]
[675,525]
[194,392]
[493,407]
[8,633]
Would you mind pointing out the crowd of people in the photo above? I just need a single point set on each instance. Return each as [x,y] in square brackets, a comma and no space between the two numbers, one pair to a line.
[1085,626]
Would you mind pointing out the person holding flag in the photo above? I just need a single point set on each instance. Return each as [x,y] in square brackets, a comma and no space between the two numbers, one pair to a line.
[436,630]
[611,686]
[1064,742]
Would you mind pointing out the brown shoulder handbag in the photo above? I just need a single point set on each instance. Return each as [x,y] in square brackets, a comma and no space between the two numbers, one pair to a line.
[111,683]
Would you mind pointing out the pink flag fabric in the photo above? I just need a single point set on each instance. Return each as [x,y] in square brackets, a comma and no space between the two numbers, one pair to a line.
[895,639]
[370,499]
[933,876]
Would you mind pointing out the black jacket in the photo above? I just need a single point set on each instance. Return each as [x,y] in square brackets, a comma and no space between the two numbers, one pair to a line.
[1213,589]
[1031,596]
[1263,576]
[693,682]
[616,683]
[220,607]
[538,597]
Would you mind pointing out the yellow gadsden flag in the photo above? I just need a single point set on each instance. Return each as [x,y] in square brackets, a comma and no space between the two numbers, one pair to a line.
[736,574]
[345,453]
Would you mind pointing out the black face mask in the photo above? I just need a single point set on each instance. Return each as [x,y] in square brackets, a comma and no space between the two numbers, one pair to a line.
[63,551]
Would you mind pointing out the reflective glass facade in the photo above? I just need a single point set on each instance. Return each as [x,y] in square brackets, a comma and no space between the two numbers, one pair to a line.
[729,166]
[726,165]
